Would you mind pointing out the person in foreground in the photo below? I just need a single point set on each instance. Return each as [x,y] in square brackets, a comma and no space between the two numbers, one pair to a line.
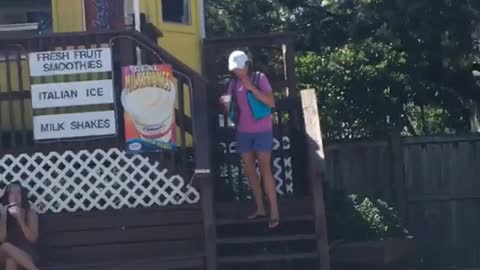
[18,229]
[254,134]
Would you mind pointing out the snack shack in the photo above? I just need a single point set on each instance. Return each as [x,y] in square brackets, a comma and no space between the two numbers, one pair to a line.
[109,117]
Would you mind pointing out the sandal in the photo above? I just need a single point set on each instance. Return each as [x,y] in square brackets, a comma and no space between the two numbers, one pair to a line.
[256,216]
[273,223]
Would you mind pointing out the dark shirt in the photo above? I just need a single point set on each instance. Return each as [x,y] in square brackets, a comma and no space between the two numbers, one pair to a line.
[16,237]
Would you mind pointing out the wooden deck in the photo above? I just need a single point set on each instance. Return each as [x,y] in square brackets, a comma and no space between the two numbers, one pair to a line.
[206,234]
[242,242]
[170,237]
[89,233]
[298,166]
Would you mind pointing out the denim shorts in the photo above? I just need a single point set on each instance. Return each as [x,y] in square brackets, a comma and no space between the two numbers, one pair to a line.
[254,142]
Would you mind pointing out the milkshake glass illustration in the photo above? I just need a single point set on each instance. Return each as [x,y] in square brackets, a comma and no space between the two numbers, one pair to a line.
[152,110]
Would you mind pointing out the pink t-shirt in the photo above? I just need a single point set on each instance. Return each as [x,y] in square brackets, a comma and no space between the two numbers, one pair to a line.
[246,122]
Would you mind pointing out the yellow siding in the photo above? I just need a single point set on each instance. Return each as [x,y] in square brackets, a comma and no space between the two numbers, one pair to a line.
[183,41]
[185,47]
[67,15]
[13,120]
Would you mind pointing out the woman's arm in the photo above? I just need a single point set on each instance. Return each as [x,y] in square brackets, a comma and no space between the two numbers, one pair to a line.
[30,225]
[226,99]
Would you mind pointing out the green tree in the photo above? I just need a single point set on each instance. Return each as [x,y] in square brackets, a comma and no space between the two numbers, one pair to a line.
[426,47]
[362,88]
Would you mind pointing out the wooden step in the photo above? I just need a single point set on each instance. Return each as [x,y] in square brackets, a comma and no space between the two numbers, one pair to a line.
[241,209]
[242,221]
[266,239]
[165,263]
[267,258]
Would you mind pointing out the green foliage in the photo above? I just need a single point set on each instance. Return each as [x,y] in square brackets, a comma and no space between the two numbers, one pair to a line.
[361,86]
[382,218]
[353,219]
[377,64]
[366,90]
[428,120]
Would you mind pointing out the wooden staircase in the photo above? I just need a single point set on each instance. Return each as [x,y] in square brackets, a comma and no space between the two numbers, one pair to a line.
[250,243]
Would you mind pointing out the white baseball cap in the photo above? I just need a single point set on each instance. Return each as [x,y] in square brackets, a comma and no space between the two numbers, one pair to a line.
[237,59]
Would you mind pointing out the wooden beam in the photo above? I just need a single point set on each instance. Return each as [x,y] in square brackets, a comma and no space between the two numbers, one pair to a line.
[441,139]
[290,67]
[278,39]
[209,229]
[316,171]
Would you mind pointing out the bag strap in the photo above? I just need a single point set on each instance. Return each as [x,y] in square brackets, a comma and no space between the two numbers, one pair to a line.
[256,78]
[233,89]
[234,82]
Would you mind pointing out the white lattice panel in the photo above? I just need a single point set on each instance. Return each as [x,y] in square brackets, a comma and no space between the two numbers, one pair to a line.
[99,179]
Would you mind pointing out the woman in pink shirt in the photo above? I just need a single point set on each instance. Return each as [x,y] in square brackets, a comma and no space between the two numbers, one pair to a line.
[254,136]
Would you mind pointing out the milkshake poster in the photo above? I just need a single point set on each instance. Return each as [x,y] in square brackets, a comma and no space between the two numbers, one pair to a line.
[148,98]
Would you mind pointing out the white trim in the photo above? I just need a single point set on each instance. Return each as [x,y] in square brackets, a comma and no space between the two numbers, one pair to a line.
[136,14]
[84,20]
[12,57]
[116,181]
[137,21]
[127,11]
[18,27]
[202,171]
[201,7]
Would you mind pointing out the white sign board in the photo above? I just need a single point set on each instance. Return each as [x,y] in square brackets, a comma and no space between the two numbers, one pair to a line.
[59,126]
[51,95]
[70,62]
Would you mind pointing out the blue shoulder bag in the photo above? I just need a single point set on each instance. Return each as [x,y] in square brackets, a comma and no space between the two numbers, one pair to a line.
[258,108]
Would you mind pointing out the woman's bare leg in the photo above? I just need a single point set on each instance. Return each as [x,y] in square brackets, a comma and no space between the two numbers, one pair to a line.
[19,256]
[250,169]
[265,160]
[10,264]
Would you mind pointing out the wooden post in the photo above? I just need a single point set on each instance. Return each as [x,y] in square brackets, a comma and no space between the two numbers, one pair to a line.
[209,230]
[316,171]
[400,193]
[290,62]
[203,165]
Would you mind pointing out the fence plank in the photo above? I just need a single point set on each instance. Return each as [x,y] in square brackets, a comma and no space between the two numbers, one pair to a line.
[363,169]
[441,191]
[398,176]
[316,167]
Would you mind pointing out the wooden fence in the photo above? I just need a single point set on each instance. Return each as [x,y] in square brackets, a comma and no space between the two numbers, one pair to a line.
[433,181]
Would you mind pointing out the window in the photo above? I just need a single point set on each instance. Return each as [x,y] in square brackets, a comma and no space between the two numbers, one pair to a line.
[104,15]
[26,15]
[176,11]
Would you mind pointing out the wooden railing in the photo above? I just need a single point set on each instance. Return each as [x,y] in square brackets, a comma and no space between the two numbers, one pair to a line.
[16,135]
[192,158]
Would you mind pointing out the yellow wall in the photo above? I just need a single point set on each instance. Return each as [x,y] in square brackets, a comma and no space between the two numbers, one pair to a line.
[11,112]
[183,41]
[67,15]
